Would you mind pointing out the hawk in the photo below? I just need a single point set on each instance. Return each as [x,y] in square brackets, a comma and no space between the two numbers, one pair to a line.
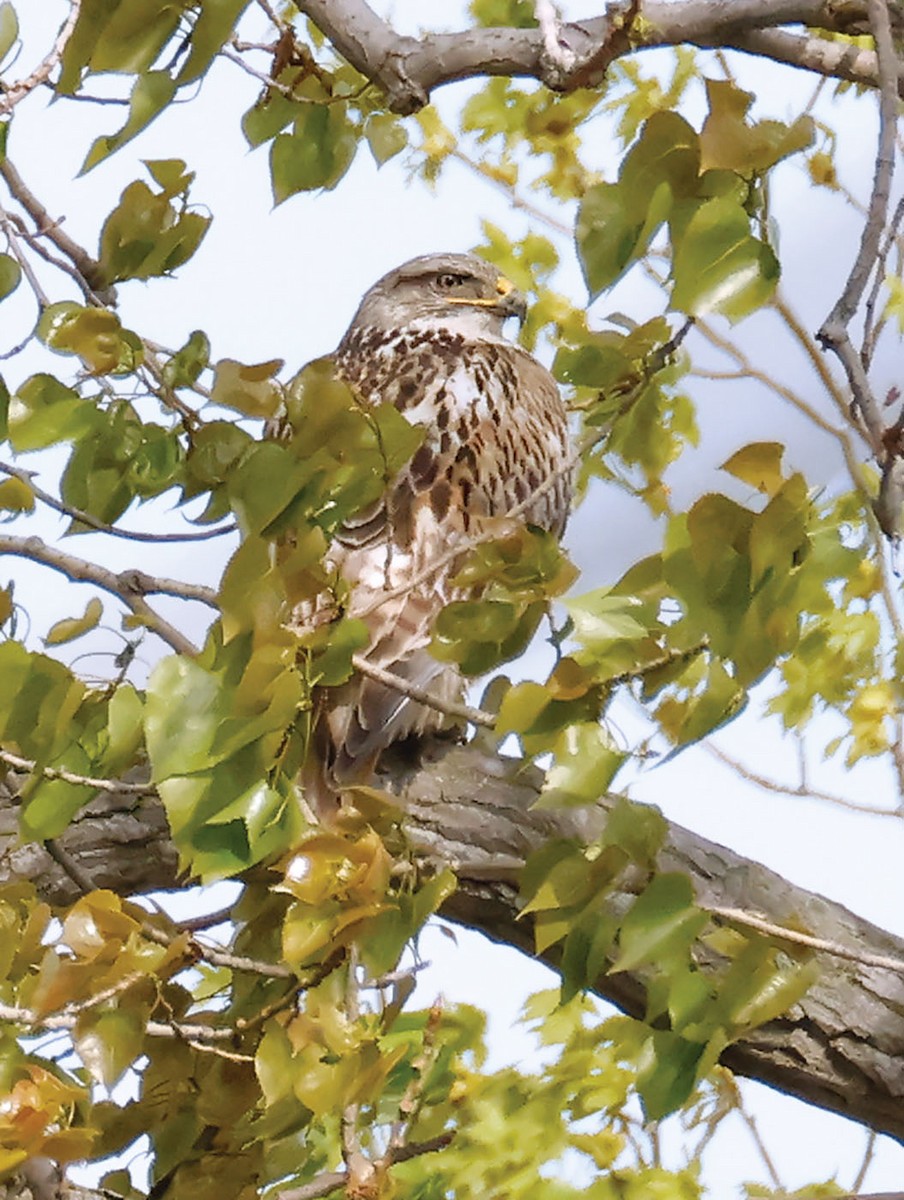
[428,338]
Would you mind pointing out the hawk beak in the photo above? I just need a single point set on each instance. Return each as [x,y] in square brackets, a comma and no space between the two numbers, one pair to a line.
[511,302]
[508,302]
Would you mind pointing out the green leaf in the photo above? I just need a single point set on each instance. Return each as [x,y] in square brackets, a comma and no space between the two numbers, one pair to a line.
[183,711]
[72,627]
[719,267]
[108,1042]
[759,464]
[184,368]
[10,273]
[386,136]
[667,1073]
[212,28]
[727,141]
[600,619]
[16,496]
[96,335]
[250,389]
[9,28]
[147,235]
[660,925]
[316,154]
[586,762]
[44,411]
[150,95]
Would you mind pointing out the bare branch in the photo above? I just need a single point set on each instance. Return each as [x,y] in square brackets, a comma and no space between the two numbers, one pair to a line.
[476,716]
[332,1180]
[11,96]
[409,69]
[834,334]
[114,786]
[45,226]
[738,916]
[129,586]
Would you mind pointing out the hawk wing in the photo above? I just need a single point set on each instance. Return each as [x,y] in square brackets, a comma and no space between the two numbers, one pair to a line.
[495,435]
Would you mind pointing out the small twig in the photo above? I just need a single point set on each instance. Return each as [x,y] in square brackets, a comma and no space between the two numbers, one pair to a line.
[205,920]
[752,1126]
[834,333]
[68,1020]
[77,514]
[476,716]
[114,786]
[12,238]
[739,916]
[801,789]
[332,1180]
[11,96]
[868,1153]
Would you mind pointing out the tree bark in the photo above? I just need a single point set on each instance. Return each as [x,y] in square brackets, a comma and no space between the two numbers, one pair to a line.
[841,1048]
[408,69]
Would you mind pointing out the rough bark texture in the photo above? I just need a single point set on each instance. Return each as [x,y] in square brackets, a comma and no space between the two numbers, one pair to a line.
[408,69]
[841,1048]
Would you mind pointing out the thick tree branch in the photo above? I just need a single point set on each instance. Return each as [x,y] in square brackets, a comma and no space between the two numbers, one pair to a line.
[841,1047]
[408,69]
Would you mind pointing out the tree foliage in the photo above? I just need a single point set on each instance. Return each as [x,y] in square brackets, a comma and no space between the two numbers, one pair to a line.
[291,1060]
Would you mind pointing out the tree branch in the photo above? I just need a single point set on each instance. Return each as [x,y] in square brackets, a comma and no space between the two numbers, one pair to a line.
[841,1047]
[409,69]
[129,586]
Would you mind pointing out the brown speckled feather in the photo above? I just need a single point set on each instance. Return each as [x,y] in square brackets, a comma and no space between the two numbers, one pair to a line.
[495,433]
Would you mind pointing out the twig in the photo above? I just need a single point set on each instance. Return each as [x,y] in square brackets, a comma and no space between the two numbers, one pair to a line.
[77,514]
[332,1180]
[34,283]
[11,96]
[34,1021]
[834,333]
[45,226]
[477,716]
[129,586]
[739,916]
[868,1153]
[801,789]
[752,1126]
[114,786]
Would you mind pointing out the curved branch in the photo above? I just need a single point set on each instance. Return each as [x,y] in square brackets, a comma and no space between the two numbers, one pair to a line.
[408,69]
[841,1047]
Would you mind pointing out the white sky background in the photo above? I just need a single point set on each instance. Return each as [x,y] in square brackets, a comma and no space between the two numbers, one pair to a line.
[284,283]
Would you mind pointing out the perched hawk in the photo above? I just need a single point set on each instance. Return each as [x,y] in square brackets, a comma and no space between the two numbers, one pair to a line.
[428,338]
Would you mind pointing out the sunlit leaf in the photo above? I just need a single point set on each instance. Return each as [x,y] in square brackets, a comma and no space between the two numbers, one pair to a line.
[72,627]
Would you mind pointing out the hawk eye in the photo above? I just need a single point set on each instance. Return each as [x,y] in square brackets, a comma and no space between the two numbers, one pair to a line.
[448,280]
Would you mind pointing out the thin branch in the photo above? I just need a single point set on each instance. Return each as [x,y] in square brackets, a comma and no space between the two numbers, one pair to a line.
[801,789]
[332,1180]
[128,586]
[45,226]
[738,916]
[834,333]
[70,865]
[38,1022]
[476,716]
[77,514]
[11,96]
[114,786]
[34,283]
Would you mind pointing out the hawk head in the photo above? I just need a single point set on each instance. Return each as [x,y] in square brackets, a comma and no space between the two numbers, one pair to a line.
[457,292]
